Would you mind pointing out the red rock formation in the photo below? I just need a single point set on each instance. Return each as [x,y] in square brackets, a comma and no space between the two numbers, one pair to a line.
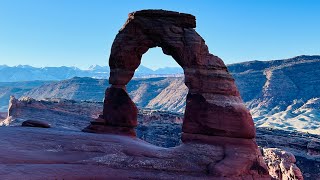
[215,113]
[119,110]
[213,107]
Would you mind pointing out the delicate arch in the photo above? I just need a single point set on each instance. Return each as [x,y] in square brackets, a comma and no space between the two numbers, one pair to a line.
[213,107]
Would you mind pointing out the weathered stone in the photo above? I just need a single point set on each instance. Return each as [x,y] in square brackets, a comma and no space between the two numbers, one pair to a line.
[241,155]
[217,117]
[118,109]
[119,112]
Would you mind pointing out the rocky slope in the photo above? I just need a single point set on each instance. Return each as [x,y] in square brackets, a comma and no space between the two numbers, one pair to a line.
[283,93]
[162,93]
[164,129]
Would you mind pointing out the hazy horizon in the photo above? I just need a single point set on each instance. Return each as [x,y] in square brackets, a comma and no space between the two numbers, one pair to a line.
[177,66]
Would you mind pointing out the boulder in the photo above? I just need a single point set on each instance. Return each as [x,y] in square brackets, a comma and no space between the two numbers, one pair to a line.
[35,123]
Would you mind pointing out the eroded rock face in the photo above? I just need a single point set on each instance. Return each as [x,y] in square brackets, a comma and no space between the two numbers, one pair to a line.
[119,110]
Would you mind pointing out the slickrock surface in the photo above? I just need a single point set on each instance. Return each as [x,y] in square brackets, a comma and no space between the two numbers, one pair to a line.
[55,154]
[32,153]
[163,128]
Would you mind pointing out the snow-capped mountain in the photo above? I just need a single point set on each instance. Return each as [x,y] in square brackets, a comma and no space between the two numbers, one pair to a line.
[29,73]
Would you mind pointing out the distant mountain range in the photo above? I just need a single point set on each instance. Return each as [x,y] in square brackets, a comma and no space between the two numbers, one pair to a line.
[29,73]
[280,93]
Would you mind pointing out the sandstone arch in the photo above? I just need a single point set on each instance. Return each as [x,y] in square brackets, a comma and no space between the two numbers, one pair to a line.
[213,106]
[214,115]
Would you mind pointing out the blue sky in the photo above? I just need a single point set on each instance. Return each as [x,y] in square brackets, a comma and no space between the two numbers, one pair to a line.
[80,32]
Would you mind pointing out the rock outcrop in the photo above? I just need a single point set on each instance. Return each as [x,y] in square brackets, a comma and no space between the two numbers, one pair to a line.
[215,113]
[61,113]
[305,147]
[281,164]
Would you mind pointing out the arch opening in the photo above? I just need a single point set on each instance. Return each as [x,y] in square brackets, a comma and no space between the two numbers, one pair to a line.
[160,100]
[155,59]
